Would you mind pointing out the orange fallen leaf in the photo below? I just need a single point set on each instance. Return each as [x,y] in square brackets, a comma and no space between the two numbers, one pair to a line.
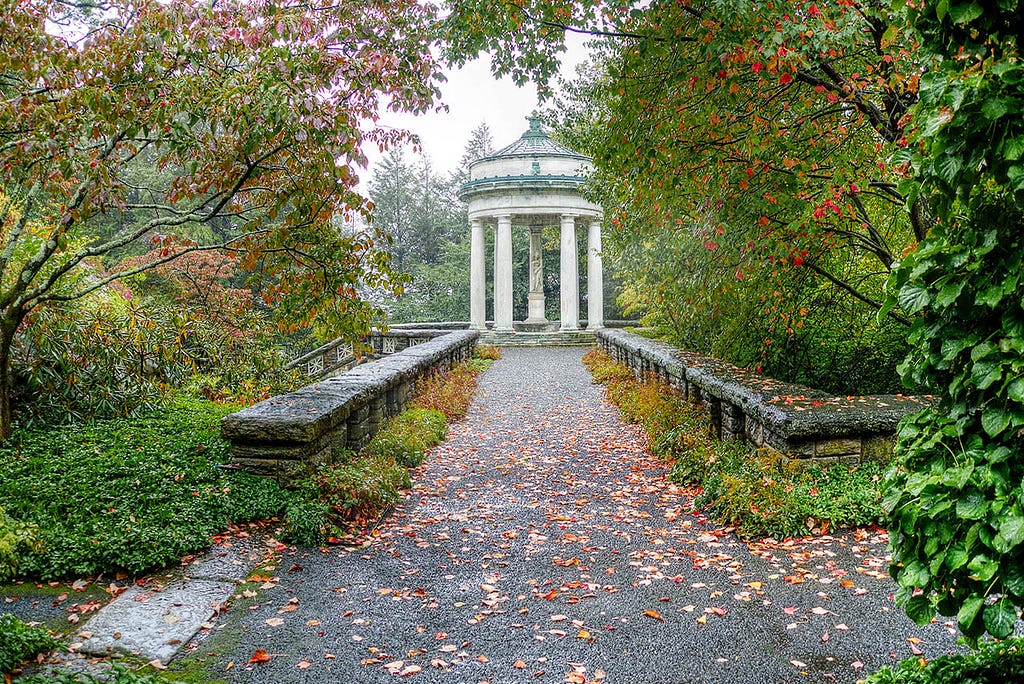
[303,664]
[259,656]
[654,614]
[519,665]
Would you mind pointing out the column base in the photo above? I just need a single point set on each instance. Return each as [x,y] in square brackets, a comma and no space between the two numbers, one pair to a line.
[569,327]
[595,326]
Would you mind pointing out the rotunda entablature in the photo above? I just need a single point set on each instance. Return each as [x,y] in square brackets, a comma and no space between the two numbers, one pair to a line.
[531,173]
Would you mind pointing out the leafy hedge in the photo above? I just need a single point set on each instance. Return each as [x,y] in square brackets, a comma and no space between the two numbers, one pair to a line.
[954,494]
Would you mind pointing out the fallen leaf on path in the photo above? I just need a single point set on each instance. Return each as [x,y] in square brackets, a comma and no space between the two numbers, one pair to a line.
[259,656]
[654,614]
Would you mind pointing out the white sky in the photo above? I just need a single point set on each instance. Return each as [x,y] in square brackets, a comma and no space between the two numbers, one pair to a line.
[474,96]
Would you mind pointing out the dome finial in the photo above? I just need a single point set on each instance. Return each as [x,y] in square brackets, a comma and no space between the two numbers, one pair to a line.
[535,130]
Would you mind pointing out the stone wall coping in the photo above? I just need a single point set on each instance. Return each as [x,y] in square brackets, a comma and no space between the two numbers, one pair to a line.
[793,412]
[305,414]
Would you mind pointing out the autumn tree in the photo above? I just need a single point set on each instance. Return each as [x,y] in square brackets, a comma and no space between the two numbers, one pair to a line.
[754,137]
[254,112]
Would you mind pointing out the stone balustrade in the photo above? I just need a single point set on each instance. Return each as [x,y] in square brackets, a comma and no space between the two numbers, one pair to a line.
[793,421]
[290,436]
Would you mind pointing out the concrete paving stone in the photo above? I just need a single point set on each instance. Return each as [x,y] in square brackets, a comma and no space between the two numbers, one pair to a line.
[153,624]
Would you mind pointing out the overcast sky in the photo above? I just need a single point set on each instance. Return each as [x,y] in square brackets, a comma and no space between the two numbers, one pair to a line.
[474,96]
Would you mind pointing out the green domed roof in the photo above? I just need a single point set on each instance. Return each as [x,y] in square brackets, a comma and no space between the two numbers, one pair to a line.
[535,142]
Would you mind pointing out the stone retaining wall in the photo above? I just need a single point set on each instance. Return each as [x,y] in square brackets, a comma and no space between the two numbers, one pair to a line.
[793,421]
[291,435]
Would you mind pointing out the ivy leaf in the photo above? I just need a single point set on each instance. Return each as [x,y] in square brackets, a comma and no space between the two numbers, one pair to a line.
[1015,390]
[956,557]
[995,420]
[920,609]
[914,575]
[995,108]
[982,568]
[999,618]
[968,612]
[1011,530]
[1013,580]
[972,505]
[1013,149]
[985,373]
[956,478]
[963,14]
[914,297]
[946,167]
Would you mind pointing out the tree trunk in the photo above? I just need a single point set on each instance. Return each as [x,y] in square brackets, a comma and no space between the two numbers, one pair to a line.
[7,329]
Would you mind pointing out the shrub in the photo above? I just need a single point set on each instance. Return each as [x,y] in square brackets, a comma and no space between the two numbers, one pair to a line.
[407,436]
[359,488]
[739,485]
[128,494]
[305,519]
[20,642]
[16,540]
[993,663]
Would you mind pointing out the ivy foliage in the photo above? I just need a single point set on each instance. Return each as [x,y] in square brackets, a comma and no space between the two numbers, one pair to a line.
[954,493]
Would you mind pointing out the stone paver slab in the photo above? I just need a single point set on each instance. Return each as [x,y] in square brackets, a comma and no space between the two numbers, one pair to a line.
[153,624]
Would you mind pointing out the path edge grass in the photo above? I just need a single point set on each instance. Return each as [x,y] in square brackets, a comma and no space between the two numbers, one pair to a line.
[737,484]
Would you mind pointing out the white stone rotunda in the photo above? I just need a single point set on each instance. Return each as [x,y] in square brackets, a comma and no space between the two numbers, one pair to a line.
[533,183]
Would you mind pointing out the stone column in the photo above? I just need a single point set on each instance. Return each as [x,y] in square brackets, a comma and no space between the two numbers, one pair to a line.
[570,284]
[503,274]
[477,277]
[595,277]
[536,297]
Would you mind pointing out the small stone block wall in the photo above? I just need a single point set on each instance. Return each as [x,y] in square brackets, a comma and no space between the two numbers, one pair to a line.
[793,421]
[292,435]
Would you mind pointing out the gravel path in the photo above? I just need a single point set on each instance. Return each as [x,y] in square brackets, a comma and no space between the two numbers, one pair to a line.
[542,543]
